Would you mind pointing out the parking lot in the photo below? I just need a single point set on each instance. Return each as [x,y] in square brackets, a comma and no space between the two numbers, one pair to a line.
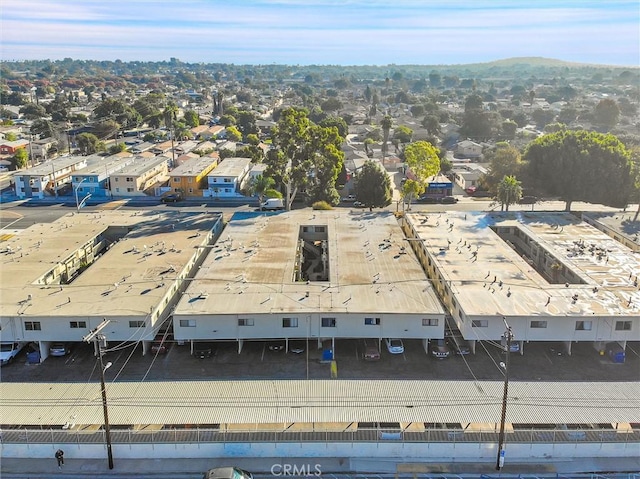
[540,362]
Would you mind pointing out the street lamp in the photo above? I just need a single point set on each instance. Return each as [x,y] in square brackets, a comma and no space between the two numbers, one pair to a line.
[509,337]
[81,204]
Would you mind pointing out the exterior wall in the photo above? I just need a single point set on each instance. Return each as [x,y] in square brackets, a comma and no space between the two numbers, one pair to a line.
[558,328]
[265,326]
[451,452]
[128,185]
[192,185]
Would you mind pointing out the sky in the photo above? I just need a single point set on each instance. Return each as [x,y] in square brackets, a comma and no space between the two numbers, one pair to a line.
[322,32]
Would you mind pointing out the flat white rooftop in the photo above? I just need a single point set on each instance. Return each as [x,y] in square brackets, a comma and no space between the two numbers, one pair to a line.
[488,277]
[251,268]
[129,279]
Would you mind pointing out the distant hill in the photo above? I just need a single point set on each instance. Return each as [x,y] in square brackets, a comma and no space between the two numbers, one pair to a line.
[538,62]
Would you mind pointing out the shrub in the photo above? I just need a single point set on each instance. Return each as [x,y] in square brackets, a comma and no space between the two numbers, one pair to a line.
[321,205]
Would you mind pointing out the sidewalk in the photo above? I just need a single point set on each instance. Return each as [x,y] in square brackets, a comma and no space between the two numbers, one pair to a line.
[161,468]
[308,467]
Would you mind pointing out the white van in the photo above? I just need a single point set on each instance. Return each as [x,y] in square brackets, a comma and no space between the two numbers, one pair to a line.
[8,351]
[272,204]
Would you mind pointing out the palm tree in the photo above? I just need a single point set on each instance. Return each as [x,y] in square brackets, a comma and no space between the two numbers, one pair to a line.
[386,126]
[170,114]
[261,184]
[509,192]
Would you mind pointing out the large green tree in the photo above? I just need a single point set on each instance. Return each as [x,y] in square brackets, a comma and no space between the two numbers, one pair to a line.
[373,186]
[191,118]
[88,143]
[20,158]
[307,157]
[580,166]
[423,160]
[505,160]
[606,113]
[119,111]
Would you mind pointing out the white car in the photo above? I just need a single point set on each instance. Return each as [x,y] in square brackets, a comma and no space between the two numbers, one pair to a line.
[394,346]
[8,351]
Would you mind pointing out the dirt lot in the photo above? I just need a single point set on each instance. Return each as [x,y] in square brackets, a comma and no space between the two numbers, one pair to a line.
[540,361]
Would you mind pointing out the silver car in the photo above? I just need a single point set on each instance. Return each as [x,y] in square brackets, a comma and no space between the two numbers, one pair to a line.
[59,349]
[395,346]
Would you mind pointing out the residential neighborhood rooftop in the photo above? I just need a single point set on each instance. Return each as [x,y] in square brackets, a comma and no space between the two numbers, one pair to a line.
[488,276]
[231,167]
[145,250]
[252,268]
[192,167]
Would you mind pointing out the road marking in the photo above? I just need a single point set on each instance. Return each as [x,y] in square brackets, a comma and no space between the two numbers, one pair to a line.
[6,237]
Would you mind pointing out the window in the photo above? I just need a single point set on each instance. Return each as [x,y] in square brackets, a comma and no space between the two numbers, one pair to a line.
[32,325]
[320,229]
[129,179]
[137,324]
[245,322]
[328,322]
[227,180]
[583,325]
[289,322]
[538,324]
[187,323]
[77,324]
[480,323]
[176,180]
[372,321]
[129,190]
[623,325]
[430,321]
[117,179]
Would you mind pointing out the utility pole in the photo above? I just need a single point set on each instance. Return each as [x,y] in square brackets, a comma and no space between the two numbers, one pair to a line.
[100,343]
[509,337]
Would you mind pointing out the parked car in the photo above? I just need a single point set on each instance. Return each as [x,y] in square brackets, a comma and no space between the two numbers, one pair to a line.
[528,200]
[482,194]
[460,345]
[358,204]
[429,200]
[59,349]
[371,351]
[159,346]
[395,346]
[227,473]
[171,197]
[9,350]
[439,348]
[448,200]
[203,350]
[349,198]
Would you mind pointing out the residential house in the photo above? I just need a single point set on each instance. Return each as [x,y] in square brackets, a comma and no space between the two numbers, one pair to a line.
[468,149]
[228,179]
[142,147]
[95,179]
[141,176]
[10,147]
[190,177]
[41,149]
[49,178]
